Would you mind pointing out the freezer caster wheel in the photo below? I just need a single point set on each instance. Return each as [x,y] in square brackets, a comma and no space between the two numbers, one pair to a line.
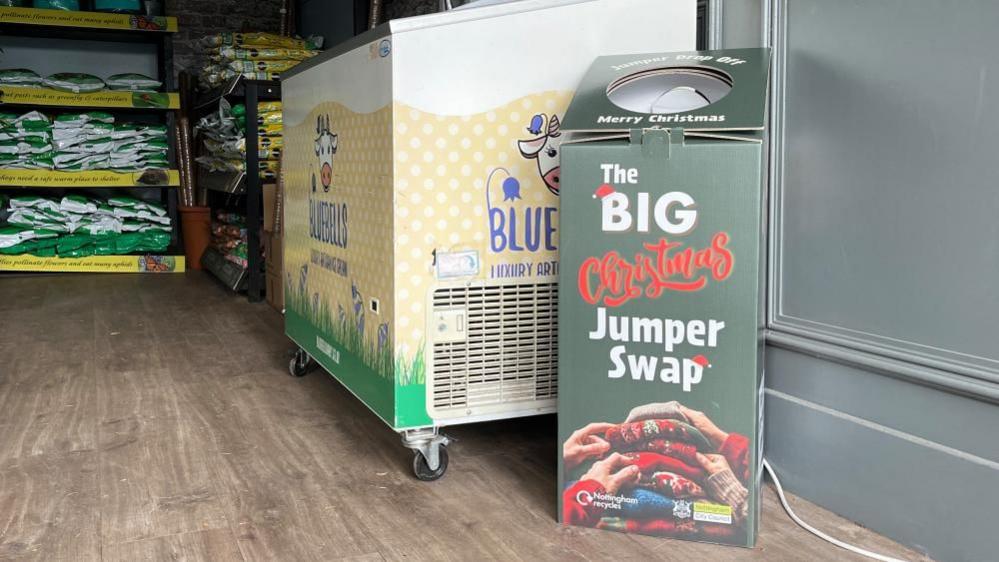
[422,469]
[300,364]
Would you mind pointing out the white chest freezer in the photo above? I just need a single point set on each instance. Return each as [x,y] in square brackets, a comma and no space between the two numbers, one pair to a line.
[421,171]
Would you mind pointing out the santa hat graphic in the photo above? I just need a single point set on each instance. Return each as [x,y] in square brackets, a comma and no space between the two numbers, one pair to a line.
[702,361]
[603,191]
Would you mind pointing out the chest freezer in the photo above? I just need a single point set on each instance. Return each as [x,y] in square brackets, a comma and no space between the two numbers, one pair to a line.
[422,176]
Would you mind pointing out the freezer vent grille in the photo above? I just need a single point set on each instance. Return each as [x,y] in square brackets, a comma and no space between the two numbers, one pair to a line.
[510,352]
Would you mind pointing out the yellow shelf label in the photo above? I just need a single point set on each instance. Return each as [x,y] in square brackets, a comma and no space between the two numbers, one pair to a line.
[95,264]
[47,96]
[88,20]
[91,178]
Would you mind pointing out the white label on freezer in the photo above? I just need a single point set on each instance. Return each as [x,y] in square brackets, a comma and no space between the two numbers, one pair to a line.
[457,264]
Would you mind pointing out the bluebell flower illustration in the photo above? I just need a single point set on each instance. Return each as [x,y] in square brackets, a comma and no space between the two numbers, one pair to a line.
[511,189]
[315,303]
[537,122]
[355,295]
[341,315]
[360,324]
[303,278]
[383,333]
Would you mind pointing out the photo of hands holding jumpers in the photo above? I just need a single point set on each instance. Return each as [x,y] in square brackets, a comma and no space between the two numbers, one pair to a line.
[644,475]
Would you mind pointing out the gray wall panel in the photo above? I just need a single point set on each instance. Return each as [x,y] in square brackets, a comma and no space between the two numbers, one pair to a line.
[911,491]
[957,422]
[888,196]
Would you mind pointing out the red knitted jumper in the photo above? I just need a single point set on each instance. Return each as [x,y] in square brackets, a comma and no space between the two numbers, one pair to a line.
[735,449]
[683,451]
[667,527]
[577,503]
[672,485]
[650,463]
[626,435]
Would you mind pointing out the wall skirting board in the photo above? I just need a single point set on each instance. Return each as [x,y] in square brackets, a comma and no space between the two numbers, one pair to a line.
[917,463]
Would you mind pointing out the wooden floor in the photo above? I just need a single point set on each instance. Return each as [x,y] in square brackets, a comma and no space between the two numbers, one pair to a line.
[152,418]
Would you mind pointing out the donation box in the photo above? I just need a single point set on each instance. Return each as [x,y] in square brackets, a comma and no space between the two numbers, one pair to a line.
[660,298]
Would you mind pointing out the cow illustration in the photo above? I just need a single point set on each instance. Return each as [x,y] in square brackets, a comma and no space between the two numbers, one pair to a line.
[544,149]
[326,143]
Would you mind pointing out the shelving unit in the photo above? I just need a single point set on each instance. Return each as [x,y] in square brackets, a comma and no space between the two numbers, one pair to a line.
[118,28]
[246,185]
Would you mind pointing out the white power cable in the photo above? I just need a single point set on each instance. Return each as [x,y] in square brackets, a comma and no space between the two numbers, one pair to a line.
[816,532]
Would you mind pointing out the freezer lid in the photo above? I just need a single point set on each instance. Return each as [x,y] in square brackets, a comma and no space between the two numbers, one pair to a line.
[722,91]
[488,9]
[485,9]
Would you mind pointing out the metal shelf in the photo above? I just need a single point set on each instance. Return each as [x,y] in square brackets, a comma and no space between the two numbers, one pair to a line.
[42,25]
[250,185]
[236,88]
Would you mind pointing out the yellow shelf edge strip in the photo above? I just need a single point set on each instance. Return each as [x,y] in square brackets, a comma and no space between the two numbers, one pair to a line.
[47,96]
[95,264]
[90,178]
[87,20]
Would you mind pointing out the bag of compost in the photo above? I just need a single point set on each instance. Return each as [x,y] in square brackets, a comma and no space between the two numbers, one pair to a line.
[76,120]
[90,163]
[30,121]
[81,252]
[102,145]
[133,82]
[28,162]
[121,201]
[265,53]
[61,159]
[104,225]
[25,146]
[139,131]
[154,208]
[244,66]
[104,246]
[77,204]
[311,43]
[155,241]
[136,146]
[271,130]
[19,77]
[71,242]
[75,82]
[12,235]
[13,135]
[39,218]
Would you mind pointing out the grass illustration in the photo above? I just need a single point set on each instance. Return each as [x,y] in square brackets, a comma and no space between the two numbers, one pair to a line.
[320,313]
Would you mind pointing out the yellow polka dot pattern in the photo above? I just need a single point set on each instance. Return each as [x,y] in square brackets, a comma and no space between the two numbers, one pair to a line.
[362,178]
[420,179]
[442,164]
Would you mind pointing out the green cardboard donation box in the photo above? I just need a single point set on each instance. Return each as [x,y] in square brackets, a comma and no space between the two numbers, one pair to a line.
[660,296]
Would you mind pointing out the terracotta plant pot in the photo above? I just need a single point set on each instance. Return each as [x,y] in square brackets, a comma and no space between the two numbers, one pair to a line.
[195,223]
